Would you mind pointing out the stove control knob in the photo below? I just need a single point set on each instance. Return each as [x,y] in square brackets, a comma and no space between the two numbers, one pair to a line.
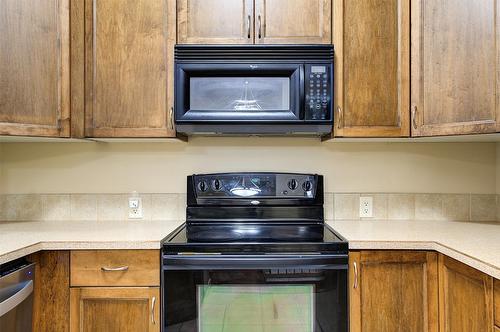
[202,186]
[292,184]
[216,185]
[307,186]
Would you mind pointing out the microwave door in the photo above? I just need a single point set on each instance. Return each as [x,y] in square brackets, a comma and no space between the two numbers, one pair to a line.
[238,92]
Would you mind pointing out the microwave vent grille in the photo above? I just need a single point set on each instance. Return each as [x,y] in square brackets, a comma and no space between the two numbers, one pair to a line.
[215,53]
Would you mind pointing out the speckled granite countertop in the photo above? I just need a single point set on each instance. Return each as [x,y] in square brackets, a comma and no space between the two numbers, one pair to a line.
[475,244]
[18,239]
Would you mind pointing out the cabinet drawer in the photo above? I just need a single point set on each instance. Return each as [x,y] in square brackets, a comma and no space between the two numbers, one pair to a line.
[496,300]
[115,268]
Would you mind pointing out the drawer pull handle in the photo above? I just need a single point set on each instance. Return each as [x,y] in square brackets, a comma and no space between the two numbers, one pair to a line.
[114,269]
[153,302]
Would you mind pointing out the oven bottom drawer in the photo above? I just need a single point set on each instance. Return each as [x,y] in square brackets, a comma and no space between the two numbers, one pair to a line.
[302,298]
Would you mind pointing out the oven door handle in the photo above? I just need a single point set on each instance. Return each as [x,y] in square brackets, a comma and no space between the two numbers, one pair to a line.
[254,262]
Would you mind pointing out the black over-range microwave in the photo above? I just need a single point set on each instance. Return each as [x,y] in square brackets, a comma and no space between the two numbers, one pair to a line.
[254,90]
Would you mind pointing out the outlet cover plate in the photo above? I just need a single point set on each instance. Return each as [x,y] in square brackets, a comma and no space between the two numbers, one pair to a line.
[135,208]
[366,207]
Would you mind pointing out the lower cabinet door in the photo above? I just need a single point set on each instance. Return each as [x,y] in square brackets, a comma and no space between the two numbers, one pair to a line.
[393,291]
[119,309]
[466,298]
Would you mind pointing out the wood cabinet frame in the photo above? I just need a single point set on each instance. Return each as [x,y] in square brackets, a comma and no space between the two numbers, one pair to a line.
[151,295]
[83,75]
[447,264]
[359,260]
[324,29]
[61,127]
[247,26]
[418,114]
[341,129]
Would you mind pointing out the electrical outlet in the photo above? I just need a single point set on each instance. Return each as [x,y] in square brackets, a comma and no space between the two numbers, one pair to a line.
[366,207]
[135,208]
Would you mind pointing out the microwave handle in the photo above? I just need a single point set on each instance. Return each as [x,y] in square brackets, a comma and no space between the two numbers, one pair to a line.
[243,262]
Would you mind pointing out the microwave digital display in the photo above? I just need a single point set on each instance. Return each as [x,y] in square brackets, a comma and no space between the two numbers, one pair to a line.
[318,69]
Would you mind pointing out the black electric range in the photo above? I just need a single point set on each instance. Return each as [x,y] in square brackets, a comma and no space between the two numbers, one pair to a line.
[254,242]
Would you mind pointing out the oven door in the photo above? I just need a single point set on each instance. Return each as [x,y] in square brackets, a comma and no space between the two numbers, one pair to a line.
[305,293]
[218,92]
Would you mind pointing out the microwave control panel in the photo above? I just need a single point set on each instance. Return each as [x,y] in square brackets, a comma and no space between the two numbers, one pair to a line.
[318,91]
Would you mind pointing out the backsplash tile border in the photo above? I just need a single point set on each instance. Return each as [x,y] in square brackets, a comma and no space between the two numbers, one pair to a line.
[338,206]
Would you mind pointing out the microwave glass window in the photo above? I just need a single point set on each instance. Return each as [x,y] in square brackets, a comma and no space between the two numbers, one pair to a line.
[249,308]
[240,94]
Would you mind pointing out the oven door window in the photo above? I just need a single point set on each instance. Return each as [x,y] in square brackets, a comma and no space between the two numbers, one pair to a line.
[238,92]
[254,308]
[291,300]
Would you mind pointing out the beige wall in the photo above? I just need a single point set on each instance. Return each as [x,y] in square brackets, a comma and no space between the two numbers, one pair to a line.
[162,167]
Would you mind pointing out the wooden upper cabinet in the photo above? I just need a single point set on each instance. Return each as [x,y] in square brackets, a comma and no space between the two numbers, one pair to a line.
[466,298]
[34,68]
[393,291]
[372,91]
[215,21]
[455,66]
[293,21]
[254,21]
[128,68]
[113,309]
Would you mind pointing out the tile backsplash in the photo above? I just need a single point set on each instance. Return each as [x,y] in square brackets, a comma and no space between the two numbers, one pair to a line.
[338,206]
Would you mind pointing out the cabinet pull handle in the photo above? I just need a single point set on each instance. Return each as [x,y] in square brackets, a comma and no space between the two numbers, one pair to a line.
[414,117]
[171,118]
[249,21]
[355,275]
[260,27]
[153,303]
[114,269]
[339,120]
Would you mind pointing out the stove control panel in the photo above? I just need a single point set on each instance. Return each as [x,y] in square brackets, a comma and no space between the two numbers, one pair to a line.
[295,185]
[247,185]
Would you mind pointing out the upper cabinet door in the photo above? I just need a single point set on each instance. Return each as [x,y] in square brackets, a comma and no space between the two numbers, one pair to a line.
[293,21]
[34,68]
[128,57]
[455,66]
[215,21]
[372,90]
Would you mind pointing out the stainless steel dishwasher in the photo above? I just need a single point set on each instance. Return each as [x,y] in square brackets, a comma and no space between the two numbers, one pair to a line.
[16,296]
